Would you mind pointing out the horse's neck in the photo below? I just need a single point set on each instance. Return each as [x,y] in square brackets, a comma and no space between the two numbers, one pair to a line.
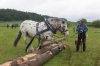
[42,26]
[56,25]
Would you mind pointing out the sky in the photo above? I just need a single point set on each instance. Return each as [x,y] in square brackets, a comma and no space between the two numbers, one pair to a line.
[72,10]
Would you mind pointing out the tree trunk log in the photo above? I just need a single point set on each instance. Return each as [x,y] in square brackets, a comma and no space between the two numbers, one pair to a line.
[36,57]
[42,58]
[49,42]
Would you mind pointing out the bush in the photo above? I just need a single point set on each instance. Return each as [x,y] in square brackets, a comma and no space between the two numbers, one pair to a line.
[96,23]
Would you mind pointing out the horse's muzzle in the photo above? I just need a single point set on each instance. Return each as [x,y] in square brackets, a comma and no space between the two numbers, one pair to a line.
[66,33]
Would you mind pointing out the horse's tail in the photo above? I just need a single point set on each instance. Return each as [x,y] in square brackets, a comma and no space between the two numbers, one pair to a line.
[17,38]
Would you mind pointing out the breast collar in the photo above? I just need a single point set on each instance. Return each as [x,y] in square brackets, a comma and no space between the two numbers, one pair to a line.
[40,32]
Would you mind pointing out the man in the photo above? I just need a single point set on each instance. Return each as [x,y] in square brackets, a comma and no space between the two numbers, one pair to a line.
[81,30]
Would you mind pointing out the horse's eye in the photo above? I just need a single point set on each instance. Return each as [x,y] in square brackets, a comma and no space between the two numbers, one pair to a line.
[63,22]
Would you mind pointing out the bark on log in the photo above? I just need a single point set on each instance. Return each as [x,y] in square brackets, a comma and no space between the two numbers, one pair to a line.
[29,57]
[49,42]
[42,58]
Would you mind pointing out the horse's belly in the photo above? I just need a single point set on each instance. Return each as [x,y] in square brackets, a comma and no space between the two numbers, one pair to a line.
[28,28]
[31,31]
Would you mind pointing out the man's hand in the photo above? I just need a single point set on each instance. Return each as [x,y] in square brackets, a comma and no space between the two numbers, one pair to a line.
[81,30]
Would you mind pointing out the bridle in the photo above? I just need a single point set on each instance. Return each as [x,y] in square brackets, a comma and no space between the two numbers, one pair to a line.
[62,29]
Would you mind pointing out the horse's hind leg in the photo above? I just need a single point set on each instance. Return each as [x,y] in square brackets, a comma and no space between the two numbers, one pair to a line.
[31,46]
[25,41]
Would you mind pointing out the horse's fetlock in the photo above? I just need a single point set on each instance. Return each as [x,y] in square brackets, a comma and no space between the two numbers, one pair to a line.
[56,41]
[59,49]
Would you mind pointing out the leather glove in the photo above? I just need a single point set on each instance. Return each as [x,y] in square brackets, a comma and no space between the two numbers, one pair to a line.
[81,30]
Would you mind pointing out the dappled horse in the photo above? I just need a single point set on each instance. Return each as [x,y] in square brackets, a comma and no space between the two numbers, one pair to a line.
[41,30]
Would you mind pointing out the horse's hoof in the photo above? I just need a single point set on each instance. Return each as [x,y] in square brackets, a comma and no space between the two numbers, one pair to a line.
[28,51]
[32,50]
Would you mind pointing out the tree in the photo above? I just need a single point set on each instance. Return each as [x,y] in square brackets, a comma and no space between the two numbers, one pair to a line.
[96,23]
[7,18]
[84,20]
[11,14]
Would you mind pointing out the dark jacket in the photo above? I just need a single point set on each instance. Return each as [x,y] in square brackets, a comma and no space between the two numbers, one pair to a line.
[81,28]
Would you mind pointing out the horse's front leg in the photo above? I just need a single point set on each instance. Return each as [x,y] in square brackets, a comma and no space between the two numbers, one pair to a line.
[40,42]
[53,40]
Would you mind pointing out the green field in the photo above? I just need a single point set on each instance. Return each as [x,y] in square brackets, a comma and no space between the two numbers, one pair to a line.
[3,23]
[68,57]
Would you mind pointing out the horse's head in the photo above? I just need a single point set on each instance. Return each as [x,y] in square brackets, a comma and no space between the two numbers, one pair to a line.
[60,24]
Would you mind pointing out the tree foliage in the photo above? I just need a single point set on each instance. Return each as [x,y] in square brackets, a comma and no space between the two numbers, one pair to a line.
[96,23]
[84,20]
[11,14]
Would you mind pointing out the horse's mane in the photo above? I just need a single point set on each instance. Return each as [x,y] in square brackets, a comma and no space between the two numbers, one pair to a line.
[57,19]
[54,19]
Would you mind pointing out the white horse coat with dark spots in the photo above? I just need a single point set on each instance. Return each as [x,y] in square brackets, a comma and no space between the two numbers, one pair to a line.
[28,28]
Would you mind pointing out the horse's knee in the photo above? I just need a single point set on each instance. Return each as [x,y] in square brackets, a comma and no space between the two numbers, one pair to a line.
[49,38]
[56,41]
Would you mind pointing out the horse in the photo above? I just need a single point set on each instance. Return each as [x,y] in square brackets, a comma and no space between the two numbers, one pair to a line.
[12,25]
[7,25]
[29,28]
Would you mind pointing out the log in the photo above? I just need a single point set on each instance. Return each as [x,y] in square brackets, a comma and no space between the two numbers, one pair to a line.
[49,42]
[26,58]
[42,58]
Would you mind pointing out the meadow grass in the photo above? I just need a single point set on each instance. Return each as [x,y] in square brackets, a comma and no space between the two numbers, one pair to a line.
[68,57]
[4,23]
[73,58]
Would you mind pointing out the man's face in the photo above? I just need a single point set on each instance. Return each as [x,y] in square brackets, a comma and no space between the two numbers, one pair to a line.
[80,22]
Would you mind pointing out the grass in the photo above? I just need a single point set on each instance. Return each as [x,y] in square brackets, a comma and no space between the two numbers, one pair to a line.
[3,23]
[73,58]
[7,51]
[68,57]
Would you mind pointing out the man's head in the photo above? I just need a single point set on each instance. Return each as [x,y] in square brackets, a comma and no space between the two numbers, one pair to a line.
[80,22]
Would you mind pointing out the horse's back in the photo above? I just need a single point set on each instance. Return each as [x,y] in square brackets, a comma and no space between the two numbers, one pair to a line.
[29,27]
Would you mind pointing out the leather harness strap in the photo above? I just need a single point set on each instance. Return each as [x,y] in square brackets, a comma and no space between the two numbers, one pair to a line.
[40,32]
[49,27]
